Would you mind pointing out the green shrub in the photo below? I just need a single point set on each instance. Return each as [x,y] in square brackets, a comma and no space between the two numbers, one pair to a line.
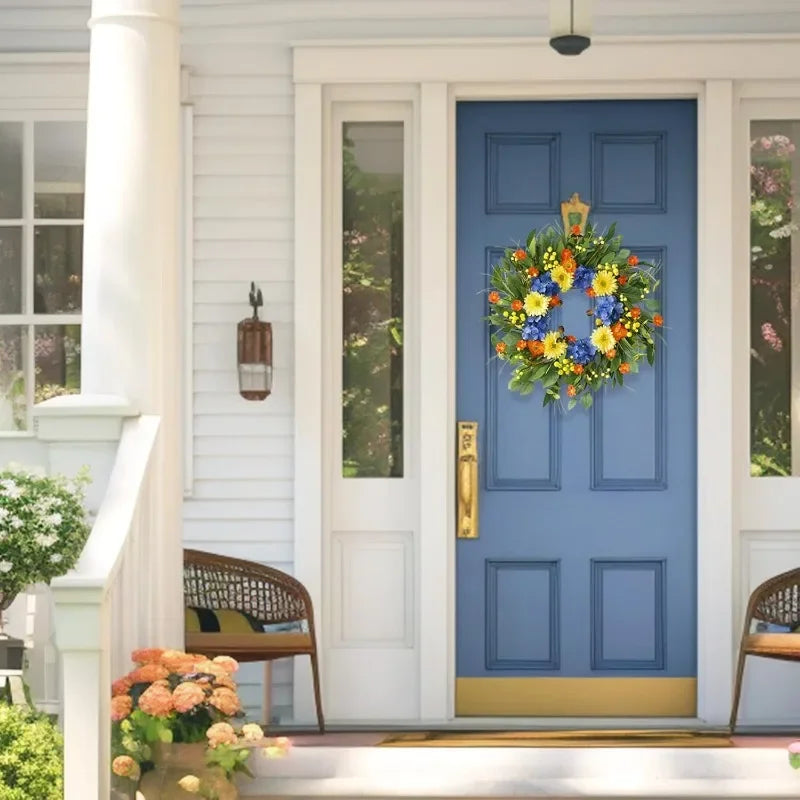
[31,756]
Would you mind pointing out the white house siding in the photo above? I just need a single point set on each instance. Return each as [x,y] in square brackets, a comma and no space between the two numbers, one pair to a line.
[239,60]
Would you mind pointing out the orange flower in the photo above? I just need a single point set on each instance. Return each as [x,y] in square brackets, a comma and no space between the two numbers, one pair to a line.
[535,347]
[554,301]
[533,272]
[221,733]
[149,673]
[577,369]
[636,312]
[125,767]
[516,305]
[500,347]
[624,367]
[622,280]
[176,661]
[121,707]
[658,320]
[575,230]
[590,292]
[225,700]
[519,254]
[619,331]
[570,266]
[571,339]
[230,665]
[571,390]
[612,353]
[566,254]
[120,686]
[633,261]
[187,695]
[226,681]
[150,655]
[521,344]
[156,701]
[494,297]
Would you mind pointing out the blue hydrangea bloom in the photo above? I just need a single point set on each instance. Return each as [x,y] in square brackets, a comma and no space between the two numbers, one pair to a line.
[581,351]
[608,309]
[544,284]
[583,277]
[534,328]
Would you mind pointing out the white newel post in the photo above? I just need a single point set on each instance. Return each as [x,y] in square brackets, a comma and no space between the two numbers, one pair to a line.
[131,339]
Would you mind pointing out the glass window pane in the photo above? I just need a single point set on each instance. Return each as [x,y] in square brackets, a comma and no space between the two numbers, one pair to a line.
[57,357]
[57,254]
[10,170]
[59,156]
[774,287]
[10,270]
[13,410]
[372,278]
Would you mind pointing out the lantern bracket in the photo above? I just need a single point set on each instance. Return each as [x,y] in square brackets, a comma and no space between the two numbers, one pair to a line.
[256,299]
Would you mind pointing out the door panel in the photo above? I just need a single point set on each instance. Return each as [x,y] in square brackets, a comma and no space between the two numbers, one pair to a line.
[585,563]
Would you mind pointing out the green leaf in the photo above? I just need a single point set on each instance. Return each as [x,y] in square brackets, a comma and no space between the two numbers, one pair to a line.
[165,735]
[572,403]
[587,400]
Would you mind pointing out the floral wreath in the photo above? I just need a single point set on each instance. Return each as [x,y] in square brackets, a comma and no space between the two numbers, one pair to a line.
[527,285]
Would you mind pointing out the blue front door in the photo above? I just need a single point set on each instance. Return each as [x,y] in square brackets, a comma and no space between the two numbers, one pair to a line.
[578,596]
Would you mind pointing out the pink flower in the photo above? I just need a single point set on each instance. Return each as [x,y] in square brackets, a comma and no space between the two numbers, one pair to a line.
[794,747]
[770,336]
[156,701]
[121,707]
[221,733]
[187,695]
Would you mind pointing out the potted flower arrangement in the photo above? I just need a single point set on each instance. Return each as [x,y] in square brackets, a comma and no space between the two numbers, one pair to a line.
[172,726]
[43,528]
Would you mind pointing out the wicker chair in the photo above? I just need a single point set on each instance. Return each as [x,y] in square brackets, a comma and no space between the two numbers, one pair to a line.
[268,595]
[775,601]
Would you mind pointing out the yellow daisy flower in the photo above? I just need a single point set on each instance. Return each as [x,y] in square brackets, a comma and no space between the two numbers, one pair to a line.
[554,346]
[562,278]
[604,283]
[536,304]
[603,339]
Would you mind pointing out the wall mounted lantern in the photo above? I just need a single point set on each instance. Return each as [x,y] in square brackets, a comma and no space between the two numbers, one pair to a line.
[254,348]
[567,43]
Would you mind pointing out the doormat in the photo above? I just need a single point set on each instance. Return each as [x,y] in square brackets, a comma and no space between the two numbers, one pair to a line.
[576,738]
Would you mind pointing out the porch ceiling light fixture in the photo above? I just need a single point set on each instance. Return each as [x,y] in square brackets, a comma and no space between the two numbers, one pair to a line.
[254,352]
[570,44]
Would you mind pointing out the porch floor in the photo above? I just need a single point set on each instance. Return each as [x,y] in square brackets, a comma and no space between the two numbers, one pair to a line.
[348,765]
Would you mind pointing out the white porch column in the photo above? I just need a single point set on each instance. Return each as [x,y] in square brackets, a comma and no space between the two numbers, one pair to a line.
[131,310]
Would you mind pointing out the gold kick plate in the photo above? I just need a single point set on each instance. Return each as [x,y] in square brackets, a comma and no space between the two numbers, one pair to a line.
[467,480]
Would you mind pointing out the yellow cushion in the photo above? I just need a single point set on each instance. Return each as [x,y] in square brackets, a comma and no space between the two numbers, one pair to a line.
[204,620]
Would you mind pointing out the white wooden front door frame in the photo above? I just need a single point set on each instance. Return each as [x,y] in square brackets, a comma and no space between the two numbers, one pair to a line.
[438,74]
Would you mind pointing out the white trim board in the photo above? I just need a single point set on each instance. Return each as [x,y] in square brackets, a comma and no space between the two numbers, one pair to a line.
[444,72]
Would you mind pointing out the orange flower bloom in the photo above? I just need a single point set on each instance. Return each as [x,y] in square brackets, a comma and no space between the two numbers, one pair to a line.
[571,339]
[516,305]
[636,312]
[500,347]
[230,665]
[156,701]
[624,367]
[226,681]
[221,733]
[570,266]
[149,655]
[187,695]
[622,280]
[225,700]
[519,255]
[125,767]
[575,230]
[619,331]
[176,661]
[571,390]
[612,353]
[521,344]
[554,301]
[658,320]
[566,254]
[590,292]
[494,297]
[533,272]
[149,673]
[121,707]
[577,369]
[535,348]
[121,686]
[633,261]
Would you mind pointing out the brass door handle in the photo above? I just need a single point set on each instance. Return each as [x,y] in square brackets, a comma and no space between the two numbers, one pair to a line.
[467,480]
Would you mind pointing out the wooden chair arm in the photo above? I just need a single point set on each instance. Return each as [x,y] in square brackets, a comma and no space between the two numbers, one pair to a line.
[776,600]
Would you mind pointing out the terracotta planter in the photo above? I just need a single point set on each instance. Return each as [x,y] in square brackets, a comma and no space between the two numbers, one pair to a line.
[175,761]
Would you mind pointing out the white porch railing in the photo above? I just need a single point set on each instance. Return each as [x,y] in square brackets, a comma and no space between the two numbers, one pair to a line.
[110,604]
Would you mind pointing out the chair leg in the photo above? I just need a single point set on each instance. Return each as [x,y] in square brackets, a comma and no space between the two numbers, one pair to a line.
[317,692]
[737,689]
